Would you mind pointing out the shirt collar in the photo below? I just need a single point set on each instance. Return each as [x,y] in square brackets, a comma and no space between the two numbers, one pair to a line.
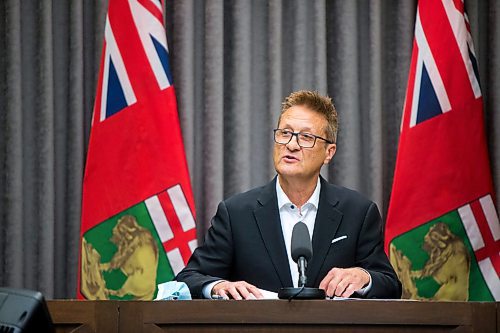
[284,200]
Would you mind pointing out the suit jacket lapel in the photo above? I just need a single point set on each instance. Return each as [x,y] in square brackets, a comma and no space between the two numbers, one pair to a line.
[268,221]
[328,219]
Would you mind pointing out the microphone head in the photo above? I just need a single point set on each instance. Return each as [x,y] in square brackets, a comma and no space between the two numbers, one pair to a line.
[301,242]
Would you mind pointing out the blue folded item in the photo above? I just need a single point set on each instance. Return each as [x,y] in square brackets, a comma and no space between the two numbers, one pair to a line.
[173,290]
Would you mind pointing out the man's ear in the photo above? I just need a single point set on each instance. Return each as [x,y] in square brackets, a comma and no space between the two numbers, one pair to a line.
[330,152]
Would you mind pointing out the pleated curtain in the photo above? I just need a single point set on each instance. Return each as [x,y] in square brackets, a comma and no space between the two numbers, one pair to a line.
[233,63]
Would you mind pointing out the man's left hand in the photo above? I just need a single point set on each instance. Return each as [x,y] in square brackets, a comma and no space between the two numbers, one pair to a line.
[343,282]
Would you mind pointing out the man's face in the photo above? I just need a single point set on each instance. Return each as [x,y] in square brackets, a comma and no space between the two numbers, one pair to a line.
[293,161]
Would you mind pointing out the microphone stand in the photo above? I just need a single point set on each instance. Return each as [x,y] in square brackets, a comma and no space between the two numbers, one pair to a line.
[302,263]
[302,292]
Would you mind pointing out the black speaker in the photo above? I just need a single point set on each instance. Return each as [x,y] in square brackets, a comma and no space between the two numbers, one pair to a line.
[23,310]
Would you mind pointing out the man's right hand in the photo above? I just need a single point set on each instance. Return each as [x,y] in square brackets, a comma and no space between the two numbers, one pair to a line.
[236,290]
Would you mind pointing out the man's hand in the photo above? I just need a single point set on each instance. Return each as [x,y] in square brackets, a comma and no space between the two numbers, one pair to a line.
[343,282]
[236,290]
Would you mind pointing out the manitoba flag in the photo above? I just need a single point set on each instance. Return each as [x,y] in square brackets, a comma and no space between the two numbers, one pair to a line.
[138,224]
[442,230]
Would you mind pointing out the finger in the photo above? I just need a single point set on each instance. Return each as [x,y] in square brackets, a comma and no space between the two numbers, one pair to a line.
[250,296]
[249,291]
[234,293]
[219,286]
[223,294]
[326,280]
[332,286]
[255,292]
[336,276]
[351,288]
[324,283]
[341,287]
[243,291]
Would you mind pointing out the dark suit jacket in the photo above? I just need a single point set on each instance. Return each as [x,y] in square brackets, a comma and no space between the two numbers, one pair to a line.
[245,242]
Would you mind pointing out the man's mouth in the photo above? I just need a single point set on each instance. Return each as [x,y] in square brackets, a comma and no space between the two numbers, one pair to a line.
[290,158]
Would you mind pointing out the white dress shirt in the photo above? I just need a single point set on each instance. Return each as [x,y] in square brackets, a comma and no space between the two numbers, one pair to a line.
[290,214]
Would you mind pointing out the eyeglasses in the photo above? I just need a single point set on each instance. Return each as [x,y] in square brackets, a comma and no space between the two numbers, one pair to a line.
[304,140]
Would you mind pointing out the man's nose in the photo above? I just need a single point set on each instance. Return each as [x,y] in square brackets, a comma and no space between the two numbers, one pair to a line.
[294,143]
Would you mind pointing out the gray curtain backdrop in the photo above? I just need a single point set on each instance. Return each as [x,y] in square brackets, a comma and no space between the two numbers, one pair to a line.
[233,62]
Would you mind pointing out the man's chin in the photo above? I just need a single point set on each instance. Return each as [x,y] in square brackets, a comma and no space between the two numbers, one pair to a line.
[289,172]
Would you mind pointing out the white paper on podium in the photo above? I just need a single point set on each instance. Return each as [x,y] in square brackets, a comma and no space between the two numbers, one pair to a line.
[268,294]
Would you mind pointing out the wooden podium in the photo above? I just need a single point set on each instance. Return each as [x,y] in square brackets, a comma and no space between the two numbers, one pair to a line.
[274,316]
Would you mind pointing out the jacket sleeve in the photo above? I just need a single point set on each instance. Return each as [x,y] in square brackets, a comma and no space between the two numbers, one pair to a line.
[371,256]
[212,260]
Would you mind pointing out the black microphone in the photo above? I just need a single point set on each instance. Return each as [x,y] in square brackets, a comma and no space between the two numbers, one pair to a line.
[301,251]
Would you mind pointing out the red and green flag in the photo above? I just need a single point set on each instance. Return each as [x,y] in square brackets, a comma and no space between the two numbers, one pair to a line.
[442,231]
[138,216]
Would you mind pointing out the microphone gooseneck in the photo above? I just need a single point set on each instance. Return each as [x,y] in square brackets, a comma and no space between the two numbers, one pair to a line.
[302,263]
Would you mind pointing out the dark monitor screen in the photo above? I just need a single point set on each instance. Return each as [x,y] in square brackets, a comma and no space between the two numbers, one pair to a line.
[23,311]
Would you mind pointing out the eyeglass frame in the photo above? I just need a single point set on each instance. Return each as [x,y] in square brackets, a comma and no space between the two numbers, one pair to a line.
[296,134]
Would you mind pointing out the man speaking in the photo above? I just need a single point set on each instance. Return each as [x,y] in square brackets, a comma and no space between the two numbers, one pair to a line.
[247,248]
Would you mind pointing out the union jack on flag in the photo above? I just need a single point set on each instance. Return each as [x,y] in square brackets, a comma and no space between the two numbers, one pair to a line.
[117,91]
[442,229]
[428,81]
[138,222]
